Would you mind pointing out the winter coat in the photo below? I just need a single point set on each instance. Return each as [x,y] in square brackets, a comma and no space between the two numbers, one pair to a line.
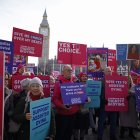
[130,117]
[19,117]
[8,111]
[103,101]
[57,99]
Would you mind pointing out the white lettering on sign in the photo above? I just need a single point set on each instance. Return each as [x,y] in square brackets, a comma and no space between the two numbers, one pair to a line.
[115,85]
[120,82]
[69,50]
[76,100]
[26,36]
[18,34]
[110,81]
[65,47]
[36,38]
[45,86]
[27,49]
[116,89]
[116,102]
[36,42]
[18,38]
[17,82]
[17,86]
[45,81]
[27,39]
[69,93]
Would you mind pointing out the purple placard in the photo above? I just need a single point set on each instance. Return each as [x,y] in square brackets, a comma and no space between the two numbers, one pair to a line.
[7,47]
[19,59]
[73,93]
[97,60]
[137,91]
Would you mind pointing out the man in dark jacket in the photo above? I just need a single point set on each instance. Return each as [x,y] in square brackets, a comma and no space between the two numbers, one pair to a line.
[104,114]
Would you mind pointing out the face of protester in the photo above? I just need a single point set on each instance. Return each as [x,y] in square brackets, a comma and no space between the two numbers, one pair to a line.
[83,78]
[35,89]
[6,79]
[52,80]
[21,70]
[40,73]
[136,63]
[6,82]
[107,71]
[133,49]
[67,72]
[6,76]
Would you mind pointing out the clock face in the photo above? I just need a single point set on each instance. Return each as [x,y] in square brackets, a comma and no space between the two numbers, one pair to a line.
[44,31]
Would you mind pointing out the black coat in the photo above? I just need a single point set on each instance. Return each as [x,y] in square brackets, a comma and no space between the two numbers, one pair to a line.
[20,117]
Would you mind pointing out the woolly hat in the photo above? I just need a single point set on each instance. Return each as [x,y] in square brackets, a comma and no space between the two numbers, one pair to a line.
[20,66]
[36,80]
[81,74]
[25,82]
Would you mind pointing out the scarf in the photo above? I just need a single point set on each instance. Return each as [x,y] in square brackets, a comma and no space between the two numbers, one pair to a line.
[34,97]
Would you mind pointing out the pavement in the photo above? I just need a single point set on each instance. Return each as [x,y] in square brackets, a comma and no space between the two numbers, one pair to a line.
[93,136]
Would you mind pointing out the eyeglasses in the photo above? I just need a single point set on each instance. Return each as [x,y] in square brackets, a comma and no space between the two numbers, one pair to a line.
[69,70]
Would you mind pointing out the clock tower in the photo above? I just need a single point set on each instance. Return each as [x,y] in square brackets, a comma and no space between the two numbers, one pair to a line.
[45,30]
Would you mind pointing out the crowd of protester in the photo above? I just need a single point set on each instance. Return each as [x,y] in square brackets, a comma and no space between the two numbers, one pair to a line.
[67,121]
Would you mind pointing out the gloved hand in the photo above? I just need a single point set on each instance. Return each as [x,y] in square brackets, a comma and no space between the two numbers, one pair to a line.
[88,100]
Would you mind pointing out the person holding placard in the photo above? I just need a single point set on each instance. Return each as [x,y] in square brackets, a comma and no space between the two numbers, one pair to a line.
[129,119]
[22,114]
[82,118]
[104,114]
[65,114]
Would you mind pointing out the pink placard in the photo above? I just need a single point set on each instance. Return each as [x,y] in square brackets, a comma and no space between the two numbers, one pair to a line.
[27,43]
[46,85]
[112,60]
[2,68]
[16,82]
[72,53]
[116,91]
[45,81]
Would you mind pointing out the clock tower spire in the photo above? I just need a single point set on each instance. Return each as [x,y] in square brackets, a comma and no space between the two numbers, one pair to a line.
[45,30]
[44,22]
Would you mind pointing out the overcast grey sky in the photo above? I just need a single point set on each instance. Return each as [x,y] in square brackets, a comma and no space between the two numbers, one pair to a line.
[91,22]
